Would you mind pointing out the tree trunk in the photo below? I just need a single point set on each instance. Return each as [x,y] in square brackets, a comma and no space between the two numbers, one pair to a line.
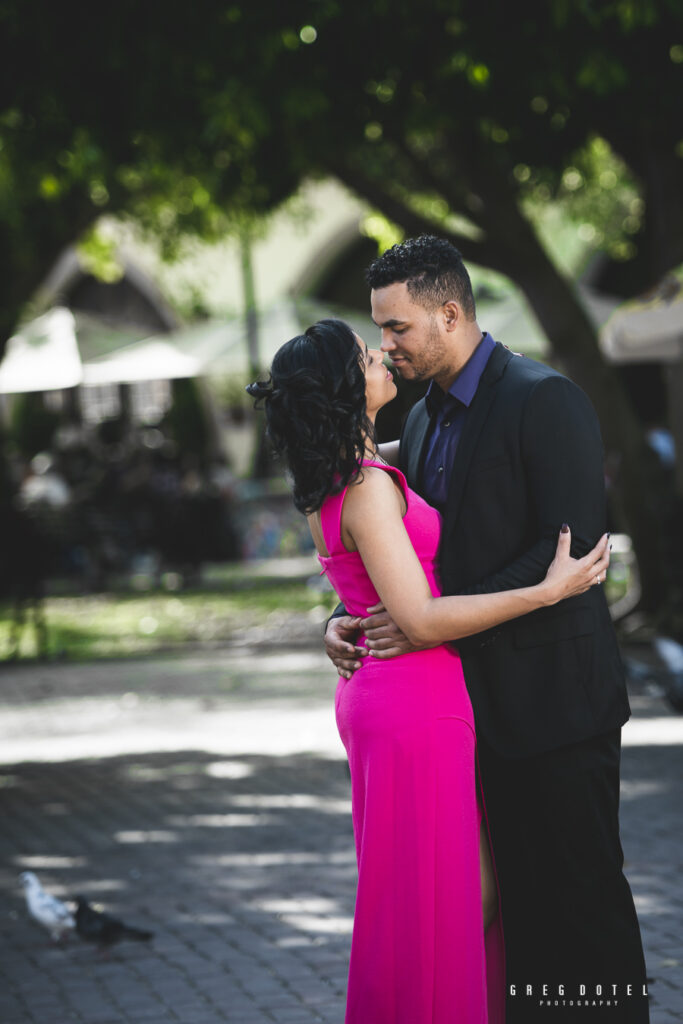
[574,342]
[663,186]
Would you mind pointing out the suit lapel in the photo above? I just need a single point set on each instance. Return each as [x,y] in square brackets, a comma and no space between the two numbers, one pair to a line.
[474,421]
[414,445]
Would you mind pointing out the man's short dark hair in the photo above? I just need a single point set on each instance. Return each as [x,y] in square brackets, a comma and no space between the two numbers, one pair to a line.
[432,269]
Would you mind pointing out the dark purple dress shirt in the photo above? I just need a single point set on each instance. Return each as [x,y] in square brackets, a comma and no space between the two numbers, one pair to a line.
[447,412]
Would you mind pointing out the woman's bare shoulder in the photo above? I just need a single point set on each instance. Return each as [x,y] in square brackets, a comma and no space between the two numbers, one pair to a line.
[374,488]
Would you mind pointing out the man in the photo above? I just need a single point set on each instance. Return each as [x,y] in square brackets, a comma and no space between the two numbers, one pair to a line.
[509,451]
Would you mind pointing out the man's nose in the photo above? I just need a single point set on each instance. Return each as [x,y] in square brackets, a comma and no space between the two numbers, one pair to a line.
[388,344]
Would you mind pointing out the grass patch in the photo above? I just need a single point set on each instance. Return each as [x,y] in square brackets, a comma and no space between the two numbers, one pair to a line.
[120,625]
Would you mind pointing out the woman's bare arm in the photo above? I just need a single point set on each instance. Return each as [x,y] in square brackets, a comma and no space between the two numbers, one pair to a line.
[372,517]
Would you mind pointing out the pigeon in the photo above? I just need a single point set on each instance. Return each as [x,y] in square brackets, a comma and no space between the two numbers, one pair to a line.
[47,910]
[96,926]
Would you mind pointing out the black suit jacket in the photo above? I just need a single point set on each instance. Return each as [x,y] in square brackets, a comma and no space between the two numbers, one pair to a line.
[529,459]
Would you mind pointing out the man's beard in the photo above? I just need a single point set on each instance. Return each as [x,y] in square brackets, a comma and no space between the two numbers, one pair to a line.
[429,360]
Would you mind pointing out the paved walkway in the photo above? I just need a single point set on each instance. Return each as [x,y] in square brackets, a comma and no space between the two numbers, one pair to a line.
[207,797]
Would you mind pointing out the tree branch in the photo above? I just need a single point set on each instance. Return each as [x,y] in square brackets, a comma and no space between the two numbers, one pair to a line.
[475,250]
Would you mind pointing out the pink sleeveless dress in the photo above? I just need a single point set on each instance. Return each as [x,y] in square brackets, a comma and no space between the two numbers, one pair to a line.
[418,953]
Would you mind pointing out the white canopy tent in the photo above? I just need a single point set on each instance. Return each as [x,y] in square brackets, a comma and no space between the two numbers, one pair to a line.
[647,330]
[210,348]
[43,356]
[143,360]
[63,350]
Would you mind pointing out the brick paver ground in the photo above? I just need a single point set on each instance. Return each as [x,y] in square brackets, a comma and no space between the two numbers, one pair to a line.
[206,797]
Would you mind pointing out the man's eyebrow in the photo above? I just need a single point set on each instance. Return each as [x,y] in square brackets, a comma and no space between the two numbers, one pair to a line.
[389,323]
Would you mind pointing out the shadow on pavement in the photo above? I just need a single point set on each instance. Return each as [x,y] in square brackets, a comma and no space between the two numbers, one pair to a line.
[243,867]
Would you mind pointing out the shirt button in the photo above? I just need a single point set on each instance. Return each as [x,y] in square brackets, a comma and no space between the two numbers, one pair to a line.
[446,423]
[440,469]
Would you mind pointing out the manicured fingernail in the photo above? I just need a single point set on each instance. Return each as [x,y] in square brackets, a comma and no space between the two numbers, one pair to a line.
[356,664]
[565,528]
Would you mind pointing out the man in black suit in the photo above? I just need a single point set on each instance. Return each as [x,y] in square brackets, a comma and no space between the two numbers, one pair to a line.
[510,450]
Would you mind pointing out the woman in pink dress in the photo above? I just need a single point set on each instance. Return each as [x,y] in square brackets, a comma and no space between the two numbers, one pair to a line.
[427,943]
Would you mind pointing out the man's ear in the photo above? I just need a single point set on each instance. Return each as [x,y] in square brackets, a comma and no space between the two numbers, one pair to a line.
[451,314]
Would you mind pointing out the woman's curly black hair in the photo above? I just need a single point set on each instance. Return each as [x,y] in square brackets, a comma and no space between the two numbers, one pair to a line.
[315,410]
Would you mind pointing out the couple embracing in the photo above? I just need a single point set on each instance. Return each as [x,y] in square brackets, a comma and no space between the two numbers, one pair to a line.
[480,695]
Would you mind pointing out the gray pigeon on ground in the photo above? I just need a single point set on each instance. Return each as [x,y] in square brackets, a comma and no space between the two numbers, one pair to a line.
[96,926]
[52,913]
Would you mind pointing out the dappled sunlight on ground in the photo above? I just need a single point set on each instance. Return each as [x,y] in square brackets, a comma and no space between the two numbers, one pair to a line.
[229,835]
[245,878]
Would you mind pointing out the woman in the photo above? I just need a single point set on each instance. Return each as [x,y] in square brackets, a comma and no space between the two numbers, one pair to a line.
[427,940]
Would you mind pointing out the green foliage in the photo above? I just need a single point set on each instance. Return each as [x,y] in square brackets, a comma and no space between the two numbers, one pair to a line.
[191,122]
[381,230]
[97,254]
[32,425]
[596,195]
[159,119]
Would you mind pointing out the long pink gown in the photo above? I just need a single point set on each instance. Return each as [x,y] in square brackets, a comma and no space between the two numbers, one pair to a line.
[418,953]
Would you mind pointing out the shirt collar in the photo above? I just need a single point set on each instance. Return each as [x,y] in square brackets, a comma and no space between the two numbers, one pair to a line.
[465,385]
